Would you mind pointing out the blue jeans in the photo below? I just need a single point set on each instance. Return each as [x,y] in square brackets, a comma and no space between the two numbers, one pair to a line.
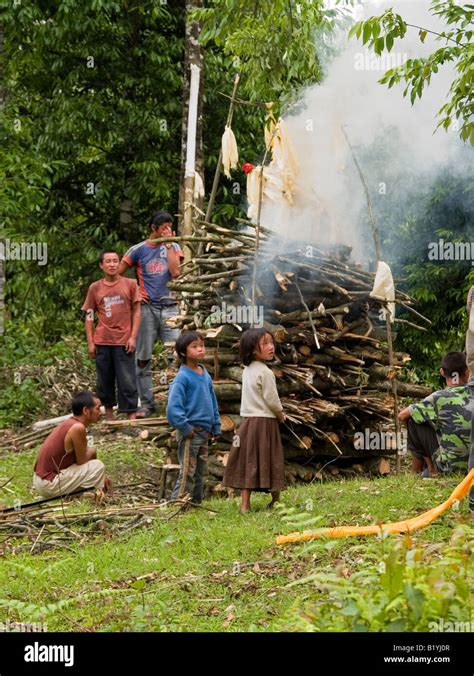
[192,454]
[152,327]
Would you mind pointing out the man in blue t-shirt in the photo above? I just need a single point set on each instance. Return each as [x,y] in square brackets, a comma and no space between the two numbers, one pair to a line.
[157,263]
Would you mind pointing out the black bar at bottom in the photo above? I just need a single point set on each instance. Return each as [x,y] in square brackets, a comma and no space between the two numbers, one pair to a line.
[369,654]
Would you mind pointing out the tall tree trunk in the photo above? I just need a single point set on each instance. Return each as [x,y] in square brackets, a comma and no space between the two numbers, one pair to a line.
[126,215]
[2,68]
[2,103]
[194,54]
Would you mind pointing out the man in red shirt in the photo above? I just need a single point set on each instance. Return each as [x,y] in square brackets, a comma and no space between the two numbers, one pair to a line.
[64,462]
[116,300]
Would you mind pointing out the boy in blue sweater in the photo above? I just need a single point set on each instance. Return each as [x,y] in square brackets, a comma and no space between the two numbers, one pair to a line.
[192,409]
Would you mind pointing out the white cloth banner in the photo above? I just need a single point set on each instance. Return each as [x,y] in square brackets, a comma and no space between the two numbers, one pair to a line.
[384,287]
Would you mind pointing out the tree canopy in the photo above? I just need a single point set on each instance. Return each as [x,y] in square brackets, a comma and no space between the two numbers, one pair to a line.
[380,33]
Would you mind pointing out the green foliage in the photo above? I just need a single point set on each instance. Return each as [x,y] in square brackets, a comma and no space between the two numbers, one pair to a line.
[270,43]
[19,403]
[399,587]
[23,388]
[380,32]
[92,124]
[275,49]
[32,612]
[247,123]
[91,128]
[189,562]
[440,287]
[91,132]
[416,212]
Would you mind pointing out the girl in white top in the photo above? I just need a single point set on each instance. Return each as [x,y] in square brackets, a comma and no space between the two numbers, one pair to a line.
[256,458]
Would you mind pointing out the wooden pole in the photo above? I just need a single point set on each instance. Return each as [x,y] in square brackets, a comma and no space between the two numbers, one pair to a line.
[193,54]
[388,317]
[373,225]
[2,239]
[190,168]
[215,183]
[217,174]
[257,223]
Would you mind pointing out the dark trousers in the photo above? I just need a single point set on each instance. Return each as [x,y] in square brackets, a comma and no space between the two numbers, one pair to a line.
[116,372]
[422,440]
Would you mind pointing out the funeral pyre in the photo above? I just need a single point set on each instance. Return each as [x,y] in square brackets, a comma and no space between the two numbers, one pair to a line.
[332,362]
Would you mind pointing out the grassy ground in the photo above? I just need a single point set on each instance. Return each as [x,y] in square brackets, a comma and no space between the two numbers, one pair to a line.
[210,571]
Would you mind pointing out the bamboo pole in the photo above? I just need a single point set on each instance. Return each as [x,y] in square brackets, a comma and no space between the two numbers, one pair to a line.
[316,341]
[373,225]
[388,318]
[217,174]
[190,168]
[259,213]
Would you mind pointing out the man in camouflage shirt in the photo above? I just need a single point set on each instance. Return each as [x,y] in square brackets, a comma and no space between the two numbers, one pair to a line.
[471,454]
[470,364]
[439,427]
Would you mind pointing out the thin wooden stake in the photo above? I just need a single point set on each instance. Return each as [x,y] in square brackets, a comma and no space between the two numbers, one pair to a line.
[378,253]
[309,314]
[217,174]
[257,224]
[373,225]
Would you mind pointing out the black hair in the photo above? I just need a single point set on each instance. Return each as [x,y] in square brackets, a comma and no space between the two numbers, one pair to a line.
[160,217]
[81,400]
[249,343]
[453,363]
[185,338]
[105,252]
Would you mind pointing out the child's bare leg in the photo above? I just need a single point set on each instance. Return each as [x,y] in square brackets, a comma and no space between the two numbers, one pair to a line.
[245,504]
[109,413]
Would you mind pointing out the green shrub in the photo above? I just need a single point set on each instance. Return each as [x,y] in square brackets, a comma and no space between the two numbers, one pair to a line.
[34,379]
[397,587]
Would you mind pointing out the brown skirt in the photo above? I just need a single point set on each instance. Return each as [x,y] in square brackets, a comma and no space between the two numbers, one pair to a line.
[256,460]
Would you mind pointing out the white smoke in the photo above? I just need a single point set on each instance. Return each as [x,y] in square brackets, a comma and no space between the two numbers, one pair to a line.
[329,197]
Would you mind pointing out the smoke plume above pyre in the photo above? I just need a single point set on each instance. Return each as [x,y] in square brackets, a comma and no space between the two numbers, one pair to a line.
[390,137]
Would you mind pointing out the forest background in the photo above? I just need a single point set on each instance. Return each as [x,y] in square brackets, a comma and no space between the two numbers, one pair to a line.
[92,117]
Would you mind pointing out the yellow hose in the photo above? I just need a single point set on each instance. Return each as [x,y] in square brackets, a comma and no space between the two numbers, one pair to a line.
[399,527]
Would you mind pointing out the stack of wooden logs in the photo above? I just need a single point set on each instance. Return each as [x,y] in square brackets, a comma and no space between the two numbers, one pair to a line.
[332,363]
